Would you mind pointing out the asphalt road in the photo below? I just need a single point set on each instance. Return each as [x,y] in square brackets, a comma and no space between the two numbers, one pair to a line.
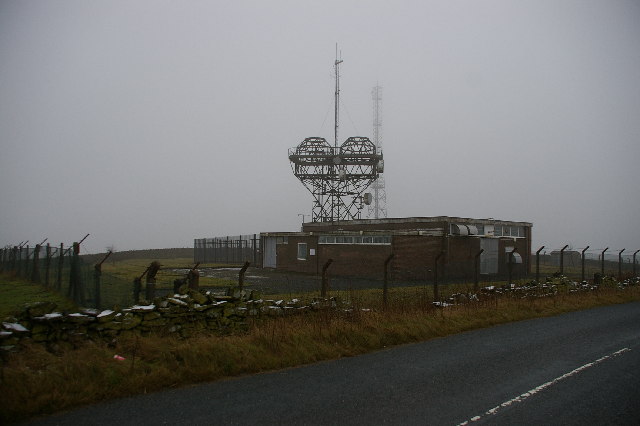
[574,369]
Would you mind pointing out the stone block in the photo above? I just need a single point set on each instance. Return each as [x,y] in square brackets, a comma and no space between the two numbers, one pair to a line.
[39,309]
[106,316]
[198,297]
[130,321]
[150,316]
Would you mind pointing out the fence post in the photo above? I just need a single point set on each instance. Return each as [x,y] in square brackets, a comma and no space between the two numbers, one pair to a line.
[14,257]
[97,276]
[386,281]
[562,259]
[634,263]
[620,265]
[476,278]
[255,249]
[241,275]
[583,260]
[602,262]
[227,249]
[75,284]
[35,272]
[60,265]
[20,261]
[325,281]
[47,265]
[27,263]
[510,264]
[193,277]
[137,285]
[150,288]
[538,264]
[436,292]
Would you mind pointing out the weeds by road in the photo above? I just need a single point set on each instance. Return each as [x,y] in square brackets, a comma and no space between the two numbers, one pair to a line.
[37,381]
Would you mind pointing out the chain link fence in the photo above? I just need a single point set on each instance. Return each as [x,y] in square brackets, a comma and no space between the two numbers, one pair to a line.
[228,250]
[64,271]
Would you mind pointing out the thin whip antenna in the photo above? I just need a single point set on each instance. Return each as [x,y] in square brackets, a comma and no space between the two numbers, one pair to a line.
[337,100]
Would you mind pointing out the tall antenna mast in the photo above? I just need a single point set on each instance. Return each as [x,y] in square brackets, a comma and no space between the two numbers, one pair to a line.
[378,209]
[337,175]
[337,100]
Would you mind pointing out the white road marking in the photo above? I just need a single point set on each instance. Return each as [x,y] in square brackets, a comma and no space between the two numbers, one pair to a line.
[542,387]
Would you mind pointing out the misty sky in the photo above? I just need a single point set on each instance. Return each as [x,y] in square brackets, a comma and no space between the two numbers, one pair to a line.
[150,123]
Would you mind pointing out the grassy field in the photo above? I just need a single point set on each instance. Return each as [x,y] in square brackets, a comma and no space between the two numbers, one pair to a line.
[36,381]
[129,269]
[14,293]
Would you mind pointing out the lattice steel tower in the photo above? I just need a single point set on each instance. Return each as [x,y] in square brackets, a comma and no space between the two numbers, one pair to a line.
[378,208]
[337,175]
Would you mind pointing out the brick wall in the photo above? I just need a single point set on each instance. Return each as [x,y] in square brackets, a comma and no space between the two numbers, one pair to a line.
[414,257]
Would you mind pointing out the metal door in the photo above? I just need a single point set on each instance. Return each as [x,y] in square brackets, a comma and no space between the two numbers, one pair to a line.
[269,253]
[489,257]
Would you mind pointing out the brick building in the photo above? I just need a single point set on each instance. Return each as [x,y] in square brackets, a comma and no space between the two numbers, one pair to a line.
[360,247]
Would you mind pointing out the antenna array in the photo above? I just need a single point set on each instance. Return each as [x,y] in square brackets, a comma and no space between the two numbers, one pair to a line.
[336,175]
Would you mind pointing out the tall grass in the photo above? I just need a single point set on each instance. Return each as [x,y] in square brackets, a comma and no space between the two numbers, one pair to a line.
[38,381]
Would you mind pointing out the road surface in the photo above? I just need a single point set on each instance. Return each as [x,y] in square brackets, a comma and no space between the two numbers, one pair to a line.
[573,369]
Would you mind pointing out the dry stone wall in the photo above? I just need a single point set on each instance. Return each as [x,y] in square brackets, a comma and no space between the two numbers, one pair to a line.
[185,314]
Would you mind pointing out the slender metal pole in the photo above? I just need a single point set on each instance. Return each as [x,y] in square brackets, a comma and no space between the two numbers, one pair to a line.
[583,258]
[436,292]
[386,281]
[510,265]
[35,270]
[337,98]
[241,274]
[634,263]
[325,280]
[538,264]
[562,259]
[255,249]
[602,261]
[60,265]
[476,279]
[620,264]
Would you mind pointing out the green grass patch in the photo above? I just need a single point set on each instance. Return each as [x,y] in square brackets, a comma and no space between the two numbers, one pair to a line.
[129,269]
[15,292]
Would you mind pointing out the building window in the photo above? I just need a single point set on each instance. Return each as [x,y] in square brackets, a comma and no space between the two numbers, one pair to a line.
[355,239]
[302,251]
[509,231]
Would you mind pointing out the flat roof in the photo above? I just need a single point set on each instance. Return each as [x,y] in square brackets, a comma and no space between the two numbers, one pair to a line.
[413,225]
[389,221]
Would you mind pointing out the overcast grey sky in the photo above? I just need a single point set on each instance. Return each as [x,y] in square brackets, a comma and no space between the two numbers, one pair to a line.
[151,123]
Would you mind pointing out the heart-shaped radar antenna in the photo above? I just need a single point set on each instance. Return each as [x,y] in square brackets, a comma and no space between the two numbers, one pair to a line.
[336,176]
